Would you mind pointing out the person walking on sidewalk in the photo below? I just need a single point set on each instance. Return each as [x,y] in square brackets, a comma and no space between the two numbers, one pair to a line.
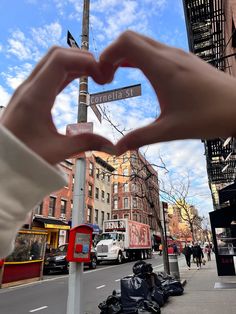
[160,249]
[208,252]
[197,254]
[187,251]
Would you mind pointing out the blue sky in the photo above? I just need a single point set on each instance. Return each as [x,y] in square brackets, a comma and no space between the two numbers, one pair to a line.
[30,27]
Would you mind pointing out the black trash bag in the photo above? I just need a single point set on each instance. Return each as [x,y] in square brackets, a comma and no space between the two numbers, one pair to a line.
[133,291]
[173,287]
[142,268]
[158,296]
[112,305]
[163,276]
[146,307]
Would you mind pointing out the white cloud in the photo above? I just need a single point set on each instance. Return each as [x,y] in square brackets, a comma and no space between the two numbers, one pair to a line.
[16,75]
[21,46]
[47,35]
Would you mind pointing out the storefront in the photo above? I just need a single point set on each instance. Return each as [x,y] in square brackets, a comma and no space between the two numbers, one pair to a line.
[223,224]
[57,230]
[25,264]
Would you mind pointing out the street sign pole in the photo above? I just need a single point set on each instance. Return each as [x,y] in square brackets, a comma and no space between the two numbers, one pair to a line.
[75,286]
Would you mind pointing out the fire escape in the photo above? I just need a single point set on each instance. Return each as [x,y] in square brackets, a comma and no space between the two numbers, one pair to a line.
[205,22]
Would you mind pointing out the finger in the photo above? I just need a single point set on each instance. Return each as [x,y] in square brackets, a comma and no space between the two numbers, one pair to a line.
[131,48]
[69,146]
[155,132]
[152,58]
[61,64]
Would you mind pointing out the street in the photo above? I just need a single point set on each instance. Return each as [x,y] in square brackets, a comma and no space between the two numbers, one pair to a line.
[50,295]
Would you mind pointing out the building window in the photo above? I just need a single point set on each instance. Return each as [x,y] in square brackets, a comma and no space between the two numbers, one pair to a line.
[90,190]
[96,216]
[52,206]
[103,195]
[63,206]
[102,216]
[97,193]
[115,188]
[125,172]
[97,173]
[115,203]
[126,187]
[126,216]
[115,173]
[108,216]
[91,169]
[39,209]
[134,201]
[89,214]
[115,216]
[125,158]
[133,187]
[103,175]
[135,217]
[108,198]
[126,202]
[108,178]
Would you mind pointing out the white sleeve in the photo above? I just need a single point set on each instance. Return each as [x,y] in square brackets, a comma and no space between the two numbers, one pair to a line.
[25,179]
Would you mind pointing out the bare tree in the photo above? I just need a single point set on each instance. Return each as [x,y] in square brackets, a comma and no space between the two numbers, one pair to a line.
[176,193]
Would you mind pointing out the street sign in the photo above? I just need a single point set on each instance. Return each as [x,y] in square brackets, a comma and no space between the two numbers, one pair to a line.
[95,109]
[115,94]
[71,41]
[79,128]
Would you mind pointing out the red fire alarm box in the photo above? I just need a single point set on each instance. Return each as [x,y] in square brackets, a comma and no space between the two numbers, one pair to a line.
[80,242]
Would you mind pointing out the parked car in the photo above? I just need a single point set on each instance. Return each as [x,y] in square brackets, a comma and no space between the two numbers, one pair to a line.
[57,260]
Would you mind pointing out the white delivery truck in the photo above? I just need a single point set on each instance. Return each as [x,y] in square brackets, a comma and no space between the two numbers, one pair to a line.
[124,239]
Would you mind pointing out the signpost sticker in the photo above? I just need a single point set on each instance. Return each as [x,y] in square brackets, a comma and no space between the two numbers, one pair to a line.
[79,128]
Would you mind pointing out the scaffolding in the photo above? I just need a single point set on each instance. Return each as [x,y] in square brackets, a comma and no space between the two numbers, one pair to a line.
[205,23]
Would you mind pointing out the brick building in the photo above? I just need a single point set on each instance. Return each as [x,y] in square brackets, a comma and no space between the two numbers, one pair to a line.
[135,191]
[55,212]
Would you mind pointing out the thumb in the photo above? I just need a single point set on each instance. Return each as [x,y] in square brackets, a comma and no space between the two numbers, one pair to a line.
[86,142]
[158,131]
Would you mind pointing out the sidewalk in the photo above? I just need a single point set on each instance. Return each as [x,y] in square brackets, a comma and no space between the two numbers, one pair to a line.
[200,296]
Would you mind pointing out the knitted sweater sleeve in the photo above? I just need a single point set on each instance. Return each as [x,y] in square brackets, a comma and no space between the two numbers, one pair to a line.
[25,179]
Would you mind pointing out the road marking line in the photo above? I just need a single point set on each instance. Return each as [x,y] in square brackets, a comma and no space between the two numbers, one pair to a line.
[117,280]
[39,309]
[102,286]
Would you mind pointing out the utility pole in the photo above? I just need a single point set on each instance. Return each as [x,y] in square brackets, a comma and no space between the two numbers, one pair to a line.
[75,285]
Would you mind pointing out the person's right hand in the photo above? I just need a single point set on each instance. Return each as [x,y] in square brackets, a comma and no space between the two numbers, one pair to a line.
[196,100]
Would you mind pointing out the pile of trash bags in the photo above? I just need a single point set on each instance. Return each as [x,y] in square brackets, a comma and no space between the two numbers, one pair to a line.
[142,293]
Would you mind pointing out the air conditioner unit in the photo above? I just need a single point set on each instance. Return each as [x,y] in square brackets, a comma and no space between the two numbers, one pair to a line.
[63,216]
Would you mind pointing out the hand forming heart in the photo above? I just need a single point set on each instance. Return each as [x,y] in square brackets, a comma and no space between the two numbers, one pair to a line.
[196,100]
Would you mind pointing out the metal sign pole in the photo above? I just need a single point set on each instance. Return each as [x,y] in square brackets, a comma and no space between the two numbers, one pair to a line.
[75,285]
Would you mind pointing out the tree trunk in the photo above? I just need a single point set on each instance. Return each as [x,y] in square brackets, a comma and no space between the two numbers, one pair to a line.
[164,248]
[192,232]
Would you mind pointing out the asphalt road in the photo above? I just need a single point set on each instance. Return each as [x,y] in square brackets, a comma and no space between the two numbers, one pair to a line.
[50,295]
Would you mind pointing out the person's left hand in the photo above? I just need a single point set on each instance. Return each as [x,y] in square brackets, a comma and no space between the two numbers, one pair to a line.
[28,114]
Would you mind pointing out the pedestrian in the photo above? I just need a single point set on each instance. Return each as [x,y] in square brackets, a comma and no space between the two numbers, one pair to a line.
[175,248]
[197,254]
[160,249]
[187,251]
[208,252]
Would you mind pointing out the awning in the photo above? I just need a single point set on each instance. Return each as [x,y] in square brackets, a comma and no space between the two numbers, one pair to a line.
[51,223]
